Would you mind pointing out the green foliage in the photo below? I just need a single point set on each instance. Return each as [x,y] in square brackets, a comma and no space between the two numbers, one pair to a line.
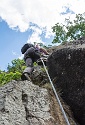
[17,65]
[7,77]
[14,71]
[59,32]
[70,31]
[35,64]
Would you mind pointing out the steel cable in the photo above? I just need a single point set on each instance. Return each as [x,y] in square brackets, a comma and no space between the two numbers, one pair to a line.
[61,107]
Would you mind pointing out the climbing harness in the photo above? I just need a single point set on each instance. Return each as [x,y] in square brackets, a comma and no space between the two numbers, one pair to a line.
[61,107]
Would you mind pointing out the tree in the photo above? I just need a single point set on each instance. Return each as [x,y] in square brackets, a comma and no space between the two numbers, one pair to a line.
[14,71]
[6,77]
[17,65]
[70,31]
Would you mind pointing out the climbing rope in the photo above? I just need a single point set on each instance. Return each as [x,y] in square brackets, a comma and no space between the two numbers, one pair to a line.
[61,107]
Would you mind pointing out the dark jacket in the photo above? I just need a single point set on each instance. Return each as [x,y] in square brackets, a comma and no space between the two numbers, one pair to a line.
[32,53]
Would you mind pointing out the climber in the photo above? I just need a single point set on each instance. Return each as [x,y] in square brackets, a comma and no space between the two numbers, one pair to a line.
[31,54]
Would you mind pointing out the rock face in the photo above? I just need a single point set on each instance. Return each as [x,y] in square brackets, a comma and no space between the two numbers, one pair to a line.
[66,67]
[23,103]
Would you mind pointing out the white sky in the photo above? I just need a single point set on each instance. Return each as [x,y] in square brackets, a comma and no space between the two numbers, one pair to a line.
[43,13]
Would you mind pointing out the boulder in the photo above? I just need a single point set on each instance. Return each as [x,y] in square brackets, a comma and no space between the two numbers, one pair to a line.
[66,66]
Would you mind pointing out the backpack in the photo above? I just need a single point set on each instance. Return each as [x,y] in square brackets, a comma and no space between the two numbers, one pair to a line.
[25,47]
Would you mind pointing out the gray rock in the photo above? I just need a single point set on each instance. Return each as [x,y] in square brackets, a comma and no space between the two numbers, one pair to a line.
[23,103]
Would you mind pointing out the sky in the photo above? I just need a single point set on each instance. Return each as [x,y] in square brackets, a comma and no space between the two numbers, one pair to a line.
[29,21]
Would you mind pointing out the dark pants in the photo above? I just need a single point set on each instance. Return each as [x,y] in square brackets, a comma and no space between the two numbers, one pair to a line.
[30,57]
[29,69]
[29,62]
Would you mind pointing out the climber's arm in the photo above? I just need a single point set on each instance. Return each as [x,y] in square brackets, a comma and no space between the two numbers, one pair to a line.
[42,50]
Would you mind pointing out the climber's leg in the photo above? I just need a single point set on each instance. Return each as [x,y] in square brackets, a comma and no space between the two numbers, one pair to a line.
[28,71]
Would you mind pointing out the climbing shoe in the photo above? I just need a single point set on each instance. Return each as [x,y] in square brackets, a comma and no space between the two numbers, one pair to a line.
[25,76]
